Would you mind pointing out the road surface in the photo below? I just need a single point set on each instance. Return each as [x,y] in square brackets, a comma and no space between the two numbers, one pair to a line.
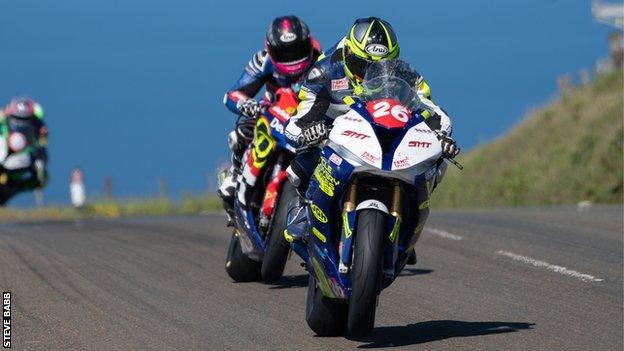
[522,279]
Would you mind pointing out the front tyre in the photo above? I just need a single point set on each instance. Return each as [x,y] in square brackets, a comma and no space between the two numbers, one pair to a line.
[366,271]
[277,248]
[324,316]
[238,266]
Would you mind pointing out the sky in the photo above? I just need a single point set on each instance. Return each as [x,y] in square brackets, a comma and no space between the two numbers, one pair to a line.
[133,89]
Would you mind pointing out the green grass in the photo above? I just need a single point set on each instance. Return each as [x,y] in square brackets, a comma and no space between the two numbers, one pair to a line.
[568,151]
[188,205]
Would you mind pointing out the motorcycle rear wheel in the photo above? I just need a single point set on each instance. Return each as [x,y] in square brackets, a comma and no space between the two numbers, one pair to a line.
[238,266]
[366,271]
[324,316]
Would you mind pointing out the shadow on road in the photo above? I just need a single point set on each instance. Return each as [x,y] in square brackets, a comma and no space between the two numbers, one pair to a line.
[414,271]
[424,332]
[291,281]
[301,280]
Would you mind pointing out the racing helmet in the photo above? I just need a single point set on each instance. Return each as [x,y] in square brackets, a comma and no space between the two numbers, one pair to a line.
[290,45]
[23,107]
[369,40]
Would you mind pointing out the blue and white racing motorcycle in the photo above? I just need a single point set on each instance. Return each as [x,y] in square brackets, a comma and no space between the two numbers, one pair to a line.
[368,200]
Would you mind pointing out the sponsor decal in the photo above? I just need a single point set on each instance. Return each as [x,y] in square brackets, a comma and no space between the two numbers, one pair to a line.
[352,119]
[374,205]
[335,159]
[280,113]
[324,175]
[340,84]
[263,143]
[275,124]
[370,157]
[318,213]
[423,144]
[346,226]
[355,135]
[319,235]
[287,37]
[377,50]
[401,162]
[428,131]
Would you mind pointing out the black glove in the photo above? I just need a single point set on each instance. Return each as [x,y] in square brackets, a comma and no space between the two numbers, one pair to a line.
[314,134]
[449,147]
[249,107]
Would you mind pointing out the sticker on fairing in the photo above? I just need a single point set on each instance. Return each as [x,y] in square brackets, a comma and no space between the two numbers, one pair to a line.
[318,213]
[323,174]
[335,159]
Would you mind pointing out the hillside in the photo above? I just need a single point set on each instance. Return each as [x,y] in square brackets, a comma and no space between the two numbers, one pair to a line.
[568,151]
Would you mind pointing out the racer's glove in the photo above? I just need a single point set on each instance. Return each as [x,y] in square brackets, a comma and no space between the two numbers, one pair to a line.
[449,147]
[249,107]
[313,134]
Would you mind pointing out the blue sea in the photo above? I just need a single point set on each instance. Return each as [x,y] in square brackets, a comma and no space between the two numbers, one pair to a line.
[133,89]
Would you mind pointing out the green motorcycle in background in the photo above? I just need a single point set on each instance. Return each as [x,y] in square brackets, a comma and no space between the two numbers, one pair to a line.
[23,159]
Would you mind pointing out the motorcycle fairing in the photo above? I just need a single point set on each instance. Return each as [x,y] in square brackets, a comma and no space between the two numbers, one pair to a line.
[4,148]
[21,160]
[353,135]
[358,137]
[326,189]
[252,243]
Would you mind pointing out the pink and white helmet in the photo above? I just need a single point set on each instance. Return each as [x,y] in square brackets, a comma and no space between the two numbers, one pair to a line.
[23,107]
[290,45]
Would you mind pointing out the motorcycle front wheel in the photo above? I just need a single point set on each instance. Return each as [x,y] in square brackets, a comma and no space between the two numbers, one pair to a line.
[277,247]
[366,271]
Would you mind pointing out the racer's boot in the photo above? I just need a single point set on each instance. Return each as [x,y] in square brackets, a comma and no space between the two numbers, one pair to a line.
[298,226]
[228,177]
[227,190]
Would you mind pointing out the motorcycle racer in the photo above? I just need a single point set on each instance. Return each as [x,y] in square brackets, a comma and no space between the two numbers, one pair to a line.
[341,70]
[25,112]
[290,50]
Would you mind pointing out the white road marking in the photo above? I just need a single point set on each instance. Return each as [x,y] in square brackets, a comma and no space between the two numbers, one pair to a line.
[550,267]
[443,234]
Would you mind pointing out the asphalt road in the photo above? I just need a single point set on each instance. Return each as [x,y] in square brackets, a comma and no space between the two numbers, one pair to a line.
[525,279]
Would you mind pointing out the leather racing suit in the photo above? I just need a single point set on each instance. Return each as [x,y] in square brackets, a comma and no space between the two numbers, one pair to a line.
[258,73]
[321,99]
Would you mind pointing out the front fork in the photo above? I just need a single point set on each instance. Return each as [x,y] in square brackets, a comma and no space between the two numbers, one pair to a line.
[348,226]
[345,247]
[394,227]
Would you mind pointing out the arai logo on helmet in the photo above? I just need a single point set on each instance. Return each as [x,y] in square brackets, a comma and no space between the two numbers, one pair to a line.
[377,50]
[287,37]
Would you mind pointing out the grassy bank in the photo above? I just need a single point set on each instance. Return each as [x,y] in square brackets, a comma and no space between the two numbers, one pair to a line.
[568,151]
[188,205]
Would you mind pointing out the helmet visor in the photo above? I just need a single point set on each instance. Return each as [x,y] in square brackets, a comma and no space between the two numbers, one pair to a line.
[357,65]
[293,52]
